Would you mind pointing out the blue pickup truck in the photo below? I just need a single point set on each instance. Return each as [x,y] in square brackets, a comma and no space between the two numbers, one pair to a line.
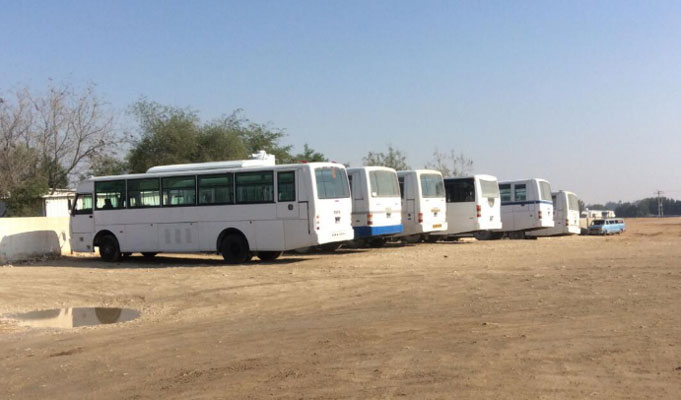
[606,226]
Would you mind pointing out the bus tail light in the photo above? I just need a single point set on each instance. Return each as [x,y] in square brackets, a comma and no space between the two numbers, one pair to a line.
[478,208]
[420,218]
[567,222]
[370,219]
[539,214]
[316,221]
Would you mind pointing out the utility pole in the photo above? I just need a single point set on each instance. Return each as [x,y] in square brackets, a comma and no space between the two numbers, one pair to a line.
[660,211]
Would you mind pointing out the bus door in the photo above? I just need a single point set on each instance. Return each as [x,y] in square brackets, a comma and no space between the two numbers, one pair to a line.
[287,202]
[82,223]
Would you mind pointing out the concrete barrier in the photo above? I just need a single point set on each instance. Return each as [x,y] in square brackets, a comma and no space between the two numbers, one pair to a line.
[25,238]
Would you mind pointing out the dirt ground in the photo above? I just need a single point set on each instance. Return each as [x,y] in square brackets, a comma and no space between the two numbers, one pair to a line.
[554,318]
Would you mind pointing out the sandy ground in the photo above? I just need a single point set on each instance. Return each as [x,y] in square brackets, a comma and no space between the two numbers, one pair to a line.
[556,318]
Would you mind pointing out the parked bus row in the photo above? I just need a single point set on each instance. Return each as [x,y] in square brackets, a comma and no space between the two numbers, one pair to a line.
[247,208]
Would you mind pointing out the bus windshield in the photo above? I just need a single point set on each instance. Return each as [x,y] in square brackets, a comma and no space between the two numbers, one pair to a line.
[489,189]
[332,183]
[432,185]
[384,184]
[545,190]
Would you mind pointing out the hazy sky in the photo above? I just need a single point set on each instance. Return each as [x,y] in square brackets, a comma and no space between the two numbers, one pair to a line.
[584,94]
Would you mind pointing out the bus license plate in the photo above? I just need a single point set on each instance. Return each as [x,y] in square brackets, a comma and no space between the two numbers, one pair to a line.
[435,226]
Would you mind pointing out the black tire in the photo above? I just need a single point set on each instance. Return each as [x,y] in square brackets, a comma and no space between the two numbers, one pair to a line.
[269,255]
[149,254]
[109,249]
[485,235]
[431,238]
[331,247]
[516,235]
[378,242]
[234,249]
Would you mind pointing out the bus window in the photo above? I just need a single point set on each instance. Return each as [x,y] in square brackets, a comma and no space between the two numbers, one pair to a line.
[489,189]
[400,181]
[255,187]
[83,204]
[179,191]
[460,190]
[216,189]
[383,184]
[505,192]
[144,193]
[432,185]
[332,183]
[109,195]
[573,202]
[545,190]
[520,192]
[286,186]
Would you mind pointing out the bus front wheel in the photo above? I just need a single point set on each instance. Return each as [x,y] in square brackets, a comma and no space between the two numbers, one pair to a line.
[234,249]
[109,249]
[269,255]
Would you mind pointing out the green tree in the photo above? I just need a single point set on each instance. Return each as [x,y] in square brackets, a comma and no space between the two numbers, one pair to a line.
[105,165]
[171,135]
[220,141]
[450,164]
[309,155]
[394,158]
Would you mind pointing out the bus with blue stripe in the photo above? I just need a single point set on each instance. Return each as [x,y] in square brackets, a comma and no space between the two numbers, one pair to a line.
[526,205]
[376,204]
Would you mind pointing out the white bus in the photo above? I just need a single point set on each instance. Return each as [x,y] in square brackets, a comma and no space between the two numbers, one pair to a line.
[376,204]
[565,216]
[473,206]
[525,206]
[235,211]
[424,209]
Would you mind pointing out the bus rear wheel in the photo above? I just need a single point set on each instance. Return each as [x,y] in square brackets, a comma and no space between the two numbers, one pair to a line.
[109,249]
[378,242]
[149,254]
[269,255]
[331,246]
[234,249]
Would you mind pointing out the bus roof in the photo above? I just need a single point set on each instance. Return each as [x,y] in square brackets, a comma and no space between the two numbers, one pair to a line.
[210,171]
[524,180]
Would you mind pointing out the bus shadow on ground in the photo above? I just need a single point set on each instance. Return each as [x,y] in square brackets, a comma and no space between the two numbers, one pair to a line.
[158,262]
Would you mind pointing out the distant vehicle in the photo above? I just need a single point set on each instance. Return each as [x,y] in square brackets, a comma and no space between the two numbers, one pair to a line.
[526,205]
[608,226]
[473,207]
[565,216]
[235,208]
[376,204]
[424,209]
[598,214]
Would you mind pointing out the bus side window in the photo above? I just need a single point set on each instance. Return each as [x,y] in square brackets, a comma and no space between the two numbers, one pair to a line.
[216,189]
[520,192]
[83,204]
[286,186]
[179,191]
[255,187]
[109,195]
[400,180]
[505,192]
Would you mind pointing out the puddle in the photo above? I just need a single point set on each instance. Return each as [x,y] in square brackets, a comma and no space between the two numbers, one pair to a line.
[74,317]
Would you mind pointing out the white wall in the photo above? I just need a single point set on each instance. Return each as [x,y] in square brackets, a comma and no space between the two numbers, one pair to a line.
[24,238]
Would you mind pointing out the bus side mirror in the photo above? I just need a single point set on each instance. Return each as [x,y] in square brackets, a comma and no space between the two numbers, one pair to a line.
[70,205]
